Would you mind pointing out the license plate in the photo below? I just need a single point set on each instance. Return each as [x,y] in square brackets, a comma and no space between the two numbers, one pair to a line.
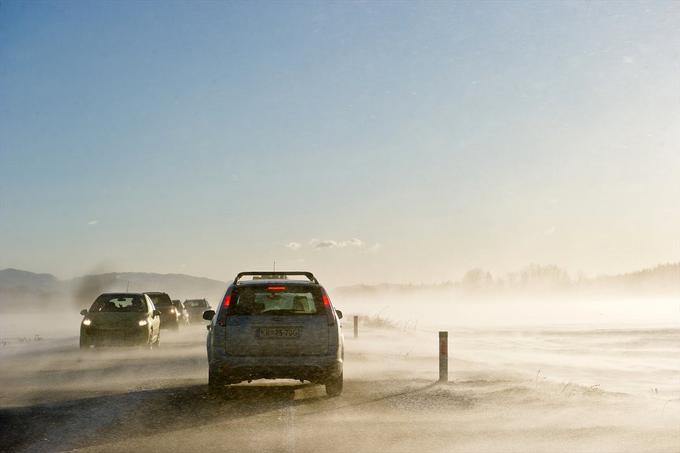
[278,332]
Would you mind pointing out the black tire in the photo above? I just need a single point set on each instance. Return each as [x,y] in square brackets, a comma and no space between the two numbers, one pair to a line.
[217,384]
[334,386]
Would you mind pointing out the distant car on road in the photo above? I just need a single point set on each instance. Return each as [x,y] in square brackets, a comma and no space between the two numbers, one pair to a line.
[195,308]
[274,327]
[120,319]
[169,314]
[183,313]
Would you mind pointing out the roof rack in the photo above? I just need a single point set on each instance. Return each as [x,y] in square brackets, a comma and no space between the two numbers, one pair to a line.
[275,275]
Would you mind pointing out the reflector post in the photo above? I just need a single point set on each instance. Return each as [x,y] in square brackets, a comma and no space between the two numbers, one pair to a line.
[443,356]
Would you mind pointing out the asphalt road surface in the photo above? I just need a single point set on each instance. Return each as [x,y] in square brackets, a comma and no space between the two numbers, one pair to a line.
[53,397]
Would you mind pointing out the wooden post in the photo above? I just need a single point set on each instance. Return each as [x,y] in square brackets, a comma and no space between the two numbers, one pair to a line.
[356,326]
[443,356]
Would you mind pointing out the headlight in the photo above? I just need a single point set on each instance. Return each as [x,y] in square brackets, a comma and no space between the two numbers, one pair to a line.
[172,310]
[143,322]
[87,322]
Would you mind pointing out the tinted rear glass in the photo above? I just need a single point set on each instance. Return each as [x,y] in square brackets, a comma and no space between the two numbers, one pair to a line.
[119,304]
[276,300]
[160,300]
[195,303]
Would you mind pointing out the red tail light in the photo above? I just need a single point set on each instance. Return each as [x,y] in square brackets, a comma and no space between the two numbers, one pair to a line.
[221,320]
[327,306]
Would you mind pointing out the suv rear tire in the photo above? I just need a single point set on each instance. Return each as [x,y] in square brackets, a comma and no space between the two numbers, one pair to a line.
[216,383]
[334,386]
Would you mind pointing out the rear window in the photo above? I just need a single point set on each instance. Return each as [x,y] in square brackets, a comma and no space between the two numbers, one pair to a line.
[119,304]
[160,300]
[196,303]
[276,300]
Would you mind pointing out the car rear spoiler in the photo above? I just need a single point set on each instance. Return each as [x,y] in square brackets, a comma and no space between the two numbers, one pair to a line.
[275,275]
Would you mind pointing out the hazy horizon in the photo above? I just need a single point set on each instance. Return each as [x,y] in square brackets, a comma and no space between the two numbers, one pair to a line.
[570,276]
[209,138]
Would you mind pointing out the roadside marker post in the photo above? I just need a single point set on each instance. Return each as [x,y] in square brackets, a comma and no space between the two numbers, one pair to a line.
[443,356]
[356,326]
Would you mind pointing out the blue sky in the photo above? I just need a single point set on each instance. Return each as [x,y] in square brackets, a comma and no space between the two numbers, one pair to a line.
[204,137]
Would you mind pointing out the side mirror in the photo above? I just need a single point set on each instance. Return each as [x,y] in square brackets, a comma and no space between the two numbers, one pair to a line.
[339,313]
[156,313]
[83,312]
[208,315]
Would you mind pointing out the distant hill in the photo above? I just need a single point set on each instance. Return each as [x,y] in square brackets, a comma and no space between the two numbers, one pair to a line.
[22,289]
[178,286]
[15,278]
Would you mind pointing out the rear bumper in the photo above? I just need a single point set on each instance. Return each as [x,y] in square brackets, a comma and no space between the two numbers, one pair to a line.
[310,368]
[196,315]
[169,320]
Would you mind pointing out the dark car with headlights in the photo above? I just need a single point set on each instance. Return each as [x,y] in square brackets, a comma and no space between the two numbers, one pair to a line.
[183,313]
[120,319]
[195,309]
[274,326]
[170,317]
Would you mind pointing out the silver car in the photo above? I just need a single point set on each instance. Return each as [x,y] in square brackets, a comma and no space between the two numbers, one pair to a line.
[272,326]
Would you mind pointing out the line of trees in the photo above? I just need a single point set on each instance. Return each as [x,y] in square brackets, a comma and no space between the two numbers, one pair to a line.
[662,279]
